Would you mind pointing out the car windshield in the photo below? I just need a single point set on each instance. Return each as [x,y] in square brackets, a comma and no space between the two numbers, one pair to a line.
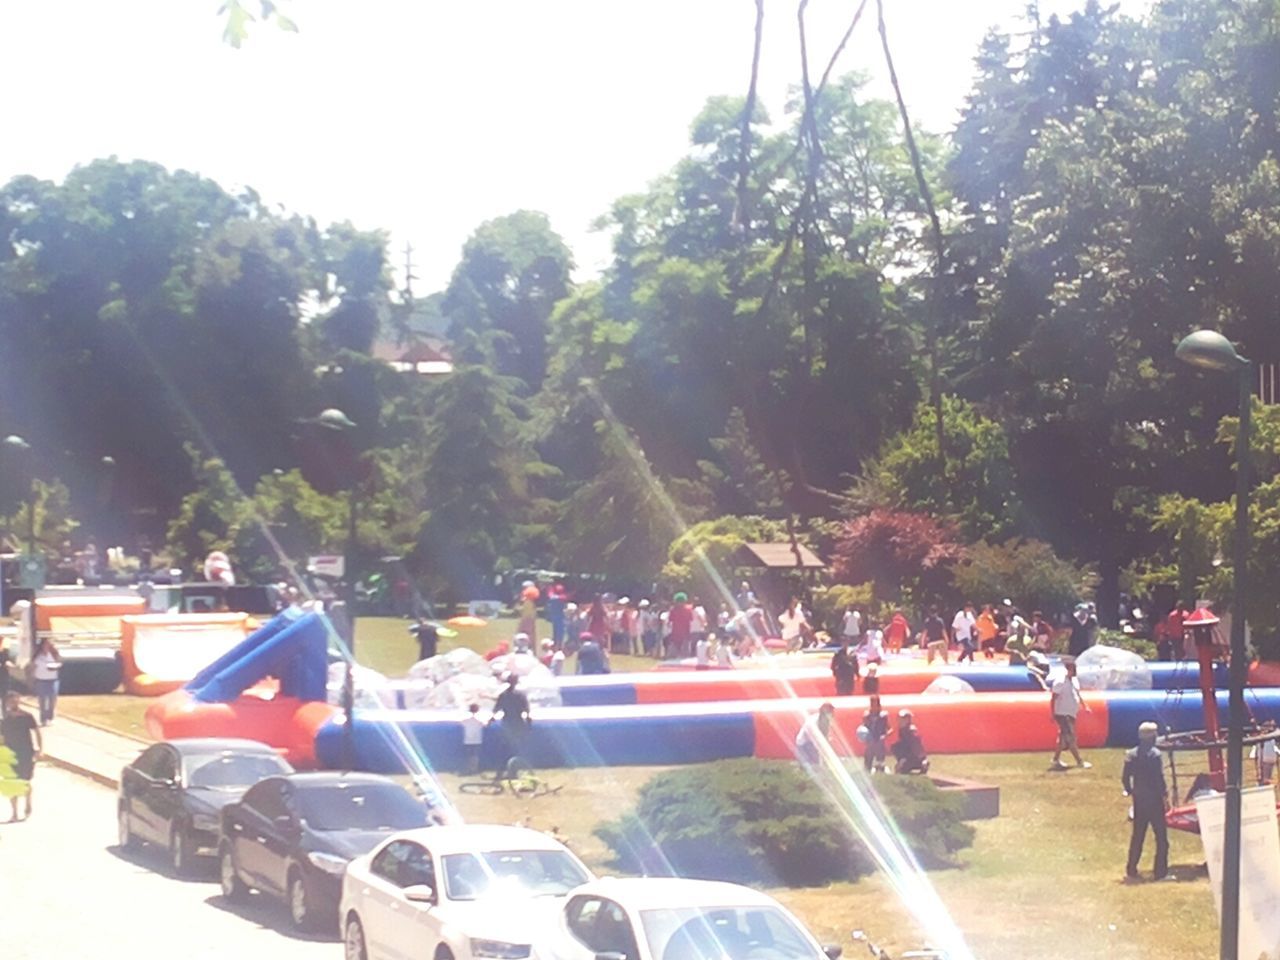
[531,873]
[725,933]
[360,806]
[231,771]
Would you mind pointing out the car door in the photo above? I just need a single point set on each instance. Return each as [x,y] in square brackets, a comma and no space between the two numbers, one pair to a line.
[164,794]
[278,837]
[133,781]
[248,825]
[423,924]
[599,925]
[382,905]
[148,789]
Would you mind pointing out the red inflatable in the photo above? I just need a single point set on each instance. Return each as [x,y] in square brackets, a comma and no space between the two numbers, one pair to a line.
[287,724]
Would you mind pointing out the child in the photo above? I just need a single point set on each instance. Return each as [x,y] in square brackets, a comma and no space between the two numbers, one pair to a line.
[876,724]
[1265,753]
[472,738]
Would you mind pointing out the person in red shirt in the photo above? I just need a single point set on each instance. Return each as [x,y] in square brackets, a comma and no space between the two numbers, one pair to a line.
[680,619]
[1173,630]
[895,635]
[598,622]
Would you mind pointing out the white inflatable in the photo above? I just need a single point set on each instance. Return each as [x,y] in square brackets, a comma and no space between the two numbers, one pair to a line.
[947,684]
[1110,668]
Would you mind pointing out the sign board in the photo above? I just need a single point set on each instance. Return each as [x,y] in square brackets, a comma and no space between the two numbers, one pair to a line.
[31,570]
[328,565]
[1259,865]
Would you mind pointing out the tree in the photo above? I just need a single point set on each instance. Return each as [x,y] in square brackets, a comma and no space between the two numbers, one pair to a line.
[1026,571]
[901,553]
[702,558]
[974,485]
[513,271]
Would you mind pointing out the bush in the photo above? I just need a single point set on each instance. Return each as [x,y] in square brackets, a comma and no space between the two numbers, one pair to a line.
[753,821]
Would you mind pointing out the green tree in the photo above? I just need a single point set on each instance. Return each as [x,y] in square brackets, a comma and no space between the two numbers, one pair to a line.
[1025,571]
[702,557]
[974,486]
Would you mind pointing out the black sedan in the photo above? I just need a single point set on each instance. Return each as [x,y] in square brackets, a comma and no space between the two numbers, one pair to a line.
[174,792]
[291,837]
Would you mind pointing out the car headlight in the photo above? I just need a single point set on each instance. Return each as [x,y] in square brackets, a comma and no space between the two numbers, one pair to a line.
[499,950]
[329,863]
[207,822]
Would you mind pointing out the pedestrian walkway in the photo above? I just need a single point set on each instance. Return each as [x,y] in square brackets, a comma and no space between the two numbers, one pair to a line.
[89,750]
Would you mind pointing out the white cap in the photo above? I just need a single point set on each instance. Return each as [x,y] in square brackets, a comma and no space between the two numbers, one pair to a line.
[624,601]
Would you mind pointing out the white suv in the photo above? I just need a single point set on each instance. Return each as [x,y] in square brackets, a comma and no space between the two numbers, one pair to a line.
[456,892]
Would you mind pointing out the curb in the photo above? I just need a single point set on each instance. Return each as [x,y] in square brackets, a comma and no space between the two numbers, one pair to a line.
[100,778]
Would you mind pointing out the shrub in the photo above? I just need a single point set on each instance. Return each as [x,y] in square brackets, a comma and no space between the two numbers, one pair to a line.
[766,822]
[1124,641]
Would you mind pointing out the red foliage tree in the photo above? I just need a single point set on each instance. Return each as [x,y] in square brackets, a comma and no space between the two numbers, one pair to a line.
[897,550]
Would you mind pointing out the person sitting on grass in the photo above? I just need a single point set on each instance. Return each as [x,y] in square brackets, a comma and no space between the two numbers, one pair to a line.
[908,750]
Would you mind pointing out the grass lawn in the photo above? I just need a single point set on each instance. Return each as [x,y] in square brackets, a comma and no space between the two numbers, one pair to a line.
[1042,880]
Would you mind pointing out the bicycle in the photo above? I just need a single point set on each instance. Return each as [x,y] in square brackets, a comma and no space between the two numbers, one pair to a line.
[517,777]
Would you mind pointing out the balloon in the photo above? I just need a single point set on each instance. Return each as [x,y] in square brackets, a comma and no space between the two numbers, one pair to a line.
[863,733]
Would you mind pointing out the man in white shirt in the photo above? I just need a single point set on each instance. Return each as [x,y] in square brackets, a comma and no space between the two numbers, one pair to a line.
[793,625]
[851,625]
[1065,702]
[962,625]
[702,652]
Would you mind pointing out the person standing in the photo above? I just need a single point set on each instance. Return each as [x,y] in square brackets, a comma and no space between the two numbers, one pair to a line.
[986,630]
[680,626]
[554,611]
[428,637]
[897,632]
[1169,645]
[935,636]
[814,730]
[962,627]
[1084,627]
[844,667]
[1143,780]
[472,739]
[45,668]
[512,710]
[851,625]
[529,594]
[598,621]
[20,734]
[1065,702]
[793,626]
[592,659]
[1041,633]
[702,652]
[876,724]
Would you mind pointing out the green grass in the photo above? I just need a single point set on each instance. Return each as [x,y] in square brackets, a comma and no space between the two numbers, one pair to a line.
[1042,880]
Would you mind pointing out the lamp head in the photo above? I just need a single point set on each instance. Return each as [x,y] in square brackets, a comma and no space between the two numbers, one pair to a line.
[15,442]
[1209,350]
[335,419]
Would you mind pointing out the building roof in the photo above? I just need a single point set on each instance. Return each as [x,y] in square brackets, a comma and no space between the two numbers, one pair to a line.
[779,556]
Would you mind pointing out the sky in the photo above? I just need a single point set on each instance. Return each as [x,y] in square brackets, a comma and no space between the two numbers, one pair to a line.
[426,118]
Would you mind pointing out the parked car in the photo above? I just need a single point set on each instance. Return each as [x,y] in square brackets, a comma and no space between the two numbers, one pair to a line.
[456,893]
[173,793]
[659,918]
[291,837]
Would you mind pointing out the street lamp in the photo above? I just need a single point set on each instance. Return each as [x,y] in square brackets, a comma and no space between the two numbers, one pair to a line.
[1210,350]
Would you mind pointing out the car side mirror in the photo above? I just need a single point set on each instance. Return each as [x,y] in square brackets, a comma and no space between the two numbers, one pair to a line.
[832,950]
[420,893]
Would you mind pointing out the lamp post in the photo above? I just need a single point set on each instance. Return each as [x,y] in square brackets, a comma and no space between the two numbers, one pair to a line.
[334,420]
[1209,350]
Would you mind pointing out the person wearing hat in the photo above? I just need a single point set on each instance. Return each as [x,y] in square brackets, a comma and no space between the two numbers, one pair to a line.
[511,710]
[1084,630]
[844,668]
[1143,780]
[908,750]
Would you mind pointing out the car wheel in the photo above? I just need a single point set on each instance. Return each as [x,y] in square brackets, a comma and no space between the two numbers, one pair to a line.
[180,855]
[233,887]
[300,912]
[124,833]
[353,940]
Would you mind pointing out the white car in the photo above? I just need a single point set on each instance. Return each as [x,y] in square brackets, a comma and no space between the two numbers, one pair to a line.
[660,918]
[456,892]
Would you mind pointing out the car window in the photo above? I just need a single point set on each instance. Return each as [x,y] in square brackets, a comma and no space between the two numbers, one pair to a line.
[405,864]
[229,770]
[602,926]
[530,873]
[729,933]
[149,762]
[267,799]
[360,806]
[166,765]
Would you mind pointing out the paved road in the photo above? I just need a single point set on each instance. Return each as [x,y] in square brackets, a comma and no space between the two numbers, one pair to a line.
[66,892]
